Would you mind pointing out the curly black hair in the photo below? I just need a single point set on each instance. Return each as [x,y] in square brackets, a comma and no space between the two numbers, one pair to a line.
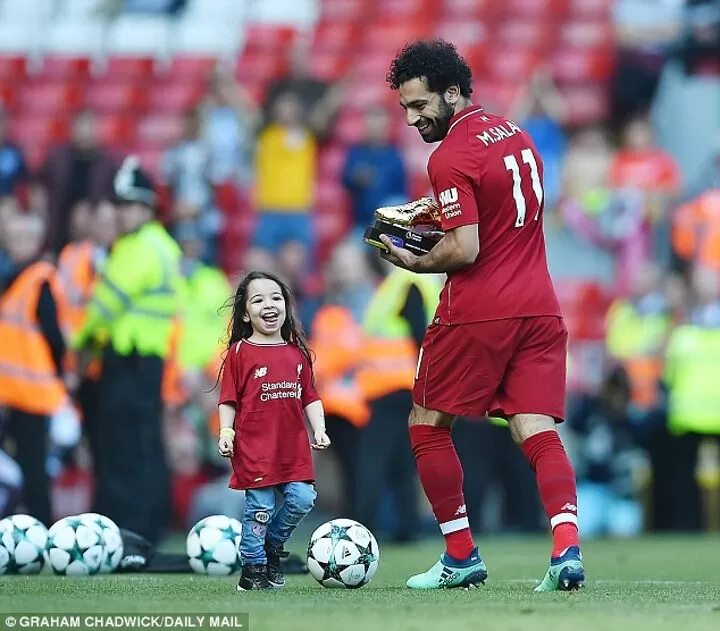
[437,60]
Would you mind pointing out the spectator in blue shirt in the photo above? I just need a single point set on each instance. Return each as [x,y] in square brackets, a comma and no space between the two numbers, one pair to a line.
[12,161]
[374,172]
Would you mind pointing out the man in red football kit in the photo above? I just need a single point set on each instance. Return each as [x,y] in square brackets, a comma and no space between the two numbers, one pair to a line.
[498,342]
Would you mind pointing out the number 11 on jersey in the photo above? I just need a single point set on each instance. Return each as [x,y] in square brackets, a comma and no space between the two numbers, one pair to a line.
[511,164]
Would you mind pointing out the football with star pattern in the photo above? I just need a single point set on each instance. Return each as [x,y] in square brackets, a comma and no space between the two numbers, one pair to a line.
[343,554]
[74,547]
[212,546]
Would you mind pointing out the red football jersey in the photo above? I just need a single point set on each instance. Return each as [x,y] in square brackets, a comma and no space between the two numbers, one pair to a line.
[270,386]
[487,172]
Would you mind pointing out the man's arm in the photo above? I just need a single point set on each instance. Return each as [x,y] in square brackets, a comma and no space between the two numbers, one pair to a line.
[457,249]
[47,316]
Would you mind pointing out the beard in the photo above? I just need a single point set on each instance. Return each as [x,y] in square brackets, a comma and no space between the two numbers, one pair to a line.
[439,126]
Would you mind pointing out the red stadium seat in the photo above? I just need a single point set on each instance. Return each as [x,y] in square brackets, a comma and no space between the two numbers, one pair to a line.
[52,98]
[389,36]
[413,10]
[139,69]
[336,36]
[7,96]
[373,66]
[348,10]
[13,68]
[186,68]
[511,63]
[591,9]
[68,68]
[467,35]
[586,103]
[350,127]
[526,34]
[328,66]
[485,10]
[175,97]
[570,65]
[552,9]
[256,91]
[269,37]
[39,130]
[332,219]
[154,131]
[116,130]
[261,66]
[331,162]
[35,155]
[116,98]
[495,94]
[587,34]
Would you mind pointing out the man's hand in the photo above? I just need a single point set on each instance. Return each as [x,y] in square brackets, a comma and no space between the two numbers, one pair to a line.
[226,448]
[322,440]
[400,257]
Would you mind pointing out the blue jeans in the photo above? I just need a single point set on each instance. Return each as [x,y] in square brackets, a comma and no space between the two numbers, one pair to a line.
[261,523]
[277,228]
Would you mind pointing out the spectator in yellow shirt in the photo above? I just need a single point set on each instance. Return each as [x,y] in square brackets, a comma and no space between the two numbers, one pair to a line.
[285,171]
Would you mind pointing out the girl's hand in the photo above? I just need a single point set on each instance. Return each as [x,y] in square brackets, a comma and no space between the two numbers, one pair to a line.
[322,440]
[226,448]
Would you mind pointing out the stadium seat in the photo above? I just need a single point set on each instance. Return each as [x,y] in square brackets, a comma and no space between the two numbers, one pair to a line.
[139,35]
[13,68]
[269,37]
[39,130]
[591,9]
[336,36]
[587,34]
[328,66]
[175,98]
[8,96]
[372,67]
[156,132]
[537,9]
[50,98]
[572,65]
[407,10]
[65,67]
[81,8]
[485,10]
[35,154]
[34,13]
[346,10]
[586,103]
[116,98]
[185,68]
[259,65]
[331,162]
[467,35]
[75,36]
[129,69]
[350,126]
[228,10]
[511,63]
[495,94]
[114,130]
[528,34]
[388,36]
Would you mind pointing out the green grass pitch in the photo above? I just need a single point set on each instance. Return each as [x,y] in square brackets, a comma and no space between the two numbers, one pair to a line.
[651,584]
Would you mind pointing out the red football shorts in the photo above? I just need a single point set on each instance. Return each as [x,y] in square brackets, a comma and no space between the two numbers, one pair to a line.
[500,368]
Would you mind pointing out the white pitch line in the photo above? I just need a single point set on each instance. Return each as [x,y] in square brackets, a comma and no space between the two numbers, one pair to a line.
[619,582]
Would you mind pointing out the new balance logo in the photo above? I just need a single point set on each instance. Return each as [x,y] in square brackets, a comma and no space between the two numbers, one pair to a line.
[570,507]
[461,510]
[260,372]
[450,196]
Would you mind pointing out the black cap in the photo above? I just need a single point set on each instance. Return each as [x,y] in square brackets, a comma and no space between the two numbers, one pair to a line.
[132,184]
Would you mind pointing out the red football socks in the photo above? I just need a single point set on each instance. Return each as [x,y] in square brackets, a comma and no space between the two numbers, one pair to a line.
[441,475]
[556,483]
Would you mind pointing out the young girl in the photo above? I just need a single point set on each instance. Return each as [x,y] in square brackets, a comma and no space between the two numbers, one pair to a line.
[266,390]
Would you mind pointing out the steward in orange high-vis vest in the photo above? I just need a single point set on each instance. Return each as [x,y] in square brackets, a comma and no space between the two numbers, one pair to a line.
[395,323]
[32,350]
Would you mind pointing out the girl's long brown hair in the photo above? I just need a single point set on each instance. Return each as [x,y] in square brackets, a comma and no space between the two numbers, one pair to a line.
[291,330]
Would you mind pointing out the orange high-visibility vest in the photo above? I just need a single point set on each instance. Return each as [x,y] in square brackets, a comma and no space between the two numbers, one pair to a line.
[76,269]
[337,341]
[696,229]
[28,377]
[644,373]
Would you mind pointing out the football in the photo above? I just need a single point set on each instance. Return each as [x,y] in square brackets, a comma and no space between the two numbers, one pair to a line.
[23,539]
[112,540]
[212,546]
[342,553]
[75,547]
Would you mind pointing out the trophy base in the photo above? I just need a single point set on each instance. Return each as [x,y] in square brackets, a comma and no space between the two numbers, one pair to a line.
[401,236]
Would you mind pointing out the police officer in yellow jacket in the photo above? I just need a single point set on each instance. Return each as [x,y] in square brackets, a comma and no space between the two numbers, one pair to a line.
[130,316]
